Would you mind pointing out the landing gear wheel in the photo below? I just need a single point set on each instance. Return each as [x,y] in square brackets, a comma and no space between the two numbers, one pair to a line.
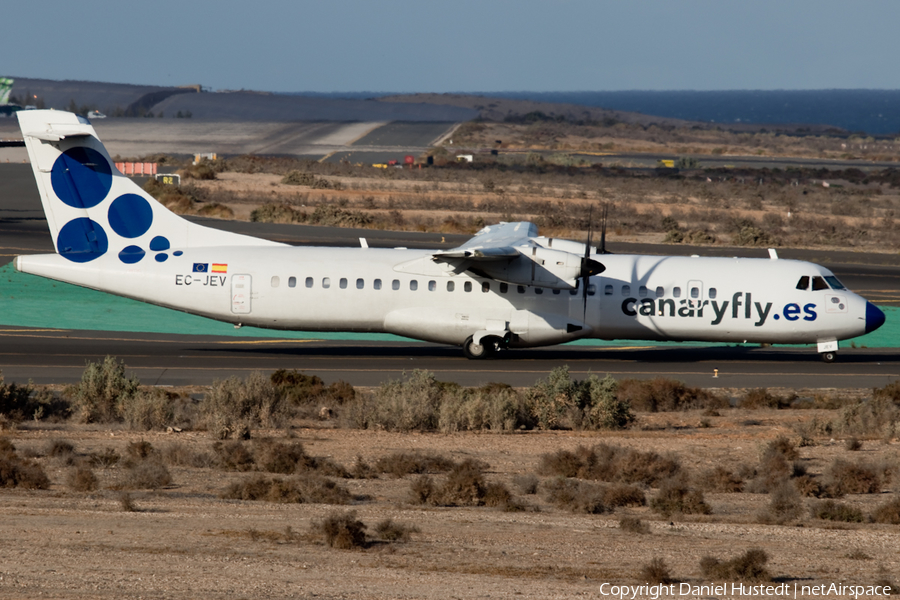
[828,356]
[480,351]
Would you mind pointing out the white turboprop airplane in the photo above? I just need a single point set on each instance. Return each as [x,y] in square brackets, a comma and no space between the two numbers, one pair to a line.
[505,288]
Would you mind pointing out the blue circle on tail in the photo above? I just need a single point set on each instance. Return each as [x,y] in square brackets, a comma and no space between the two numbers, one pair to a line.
[131,254]
[81,177]
[82,240]
[130,215]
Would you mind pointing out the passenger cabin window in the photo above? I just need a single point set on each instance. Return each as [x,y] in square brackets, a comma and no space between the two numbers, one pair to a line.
[326,282]
[538,290]
[642,291]
[607,290]
[803,284]
[343,283]
[575,291]
[432,285]
[309,282]
[485,286]
[626,290]
[834,282]
[292,282]
[556,292]
[520,289]
[504,287]
[451,286]
[660,292]
[819,284]
[712,293]
[676,292]
[695,292]
[376,284]
[360,284]
[592,289]
[467,286]
[413,285]
[275,280]
[395,284]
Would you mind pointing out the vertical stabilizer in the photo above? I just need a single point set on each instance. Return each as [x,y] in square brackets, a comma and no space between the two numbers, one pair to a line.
[94,210]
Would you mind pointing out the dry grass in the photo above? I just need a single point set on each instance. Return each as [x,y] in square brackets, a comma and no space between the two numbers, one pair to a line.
[829,510]
[413,462]
[665,395]
[82,479]
[20,472]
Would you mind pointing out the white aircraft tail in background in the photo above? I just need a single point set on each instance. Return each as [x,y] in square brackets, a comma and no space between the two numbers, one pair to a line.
[507,287]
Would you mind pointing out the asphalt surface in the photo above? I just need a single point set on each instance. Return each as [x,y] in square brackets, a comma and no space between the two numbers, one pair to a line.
[59,356]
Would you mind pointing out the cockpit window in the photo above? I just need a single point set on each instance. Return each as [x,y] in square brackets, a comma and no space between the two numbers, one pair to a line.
[819,284]
[803,284]
[834,283]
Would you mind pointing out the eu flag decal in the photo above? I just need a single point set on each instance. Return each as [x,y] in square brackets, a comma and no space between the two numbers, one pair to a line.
[201,267]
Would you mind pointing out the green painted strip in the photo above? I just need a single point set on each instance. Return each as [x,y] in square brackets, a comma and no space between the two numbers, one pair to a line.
[31,301]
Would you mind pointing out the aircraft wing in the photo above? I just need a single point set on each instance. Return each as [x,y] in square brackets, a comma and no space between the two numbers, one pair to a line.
[507,253]
[493,243]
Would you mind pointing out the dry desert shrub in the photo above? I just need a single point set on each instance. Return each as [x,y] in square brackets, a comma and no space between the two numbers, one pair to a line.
[656,573]
[105,459]
[341,530]
[720,480]
[586,497]
[775,466]
[492,407]
[888,512]
[409,404]
[749,567]
[676,497]
[610,463]
[18,403]
[237,404]
[287,459]
[126,502]
[16,471]
[149,473]
[308,488]
[762,398]
[853,445]
[558,401]
[63,451]
[233,456]
[666,395]
[148,409]
[389,530]
[413,462]
[526,484]
[179,454]
[102,391]
[829,510]
[82,479]
[633,525]
[854,478]
[784,504]
[301,389]
[464,485]
[872,419]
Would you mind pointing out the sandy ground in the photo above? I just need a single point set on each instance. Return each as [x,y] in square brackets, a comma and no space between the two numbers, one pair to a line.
[184,541]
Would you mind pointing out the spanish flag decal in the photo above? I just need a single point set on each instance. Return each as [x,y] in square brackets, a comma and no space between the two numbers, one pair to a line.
[219,268]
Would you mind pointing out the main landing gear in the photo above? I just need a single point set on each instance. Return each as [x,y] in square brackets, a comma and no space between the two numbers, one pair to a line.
[485,348]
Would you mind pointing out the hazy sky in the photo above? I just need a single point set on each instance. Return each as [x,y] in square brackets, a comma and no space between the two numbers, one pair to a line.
[464,45]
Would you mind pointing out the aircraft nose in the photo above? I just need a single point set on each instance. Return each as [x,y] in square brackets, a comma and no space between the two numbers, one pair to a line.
[874,317]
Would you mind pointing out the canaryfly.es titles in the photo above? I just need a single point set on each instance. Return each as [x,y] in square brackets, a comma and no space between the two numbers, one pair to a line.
[741,306]
[737,590]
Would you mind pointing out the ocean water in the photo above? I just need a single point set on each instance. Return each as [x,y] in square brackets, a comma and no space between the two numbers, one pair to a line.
[875,112]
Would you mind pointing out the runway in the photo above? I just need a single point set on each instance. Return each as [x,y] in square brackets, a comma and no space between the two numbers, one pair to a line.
[58,355]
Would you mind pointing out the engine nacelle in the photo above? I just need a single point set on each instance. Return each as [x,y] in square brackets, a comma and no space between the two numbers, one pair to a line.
[541,267]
